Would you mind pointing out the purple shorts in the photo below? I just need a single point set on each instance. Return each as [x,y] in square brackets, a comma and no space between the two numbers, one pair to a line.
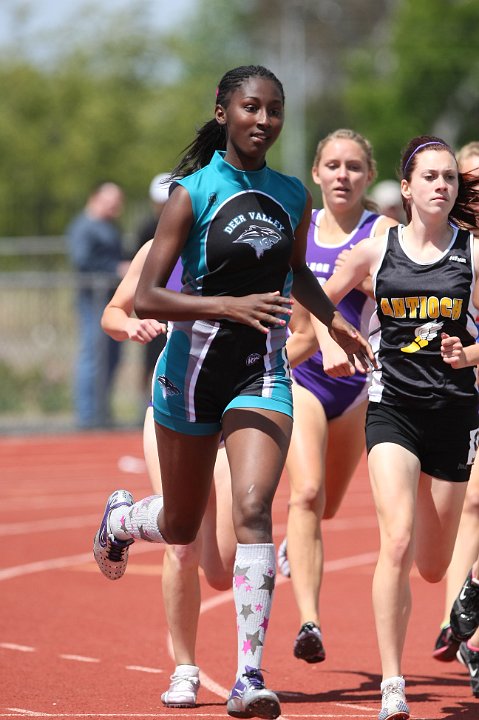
[336,395]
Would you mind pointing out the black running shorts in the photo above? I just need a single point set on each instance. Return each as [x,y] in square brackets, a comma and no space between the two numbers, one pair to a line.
[444,440]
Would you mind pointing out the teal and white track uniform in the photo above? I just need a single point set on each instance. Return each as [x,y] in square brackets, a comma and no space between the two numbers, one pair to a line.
[240,243]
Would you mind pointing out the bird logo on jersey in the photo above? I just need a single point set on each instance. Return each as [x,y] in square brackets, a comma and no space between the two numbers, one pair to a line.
[259,238]
[424,334]
[168,387]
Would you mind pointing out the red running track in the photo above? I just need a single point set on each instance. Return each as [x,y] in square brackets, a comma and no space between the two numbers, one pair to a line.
[74,645]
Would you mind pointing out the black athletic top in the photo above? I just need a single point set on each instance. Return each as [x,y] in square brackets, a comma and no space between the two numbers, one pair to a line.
[415,303]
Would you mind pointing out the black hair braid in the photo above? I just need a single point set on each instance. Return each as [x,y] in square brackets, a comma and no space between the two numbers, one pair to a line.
[212,136]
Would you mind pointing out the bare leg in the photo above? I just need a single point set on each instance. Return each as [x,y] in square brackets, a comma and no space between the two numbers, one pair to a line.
[181,589]
[306,472]
[320,465]
[439,506]
[346,445]
[255,474]
[187,464]
[182,598]
[180,582]
[466,547]
[256,442]
[218,537]
[394,474]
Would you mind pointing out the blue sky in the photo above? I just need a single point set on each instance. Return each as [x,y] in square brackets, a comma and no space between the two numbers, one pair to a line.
[48,14]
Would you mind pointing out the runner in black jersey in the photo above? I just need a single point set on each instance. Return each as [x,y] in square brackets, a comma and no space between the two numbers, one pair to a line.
[240,229]
[447,647]
[422,424]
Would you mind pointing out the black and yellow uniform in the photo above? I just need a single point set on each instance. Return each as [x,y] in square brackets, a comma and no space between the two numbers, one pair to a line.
[415,303]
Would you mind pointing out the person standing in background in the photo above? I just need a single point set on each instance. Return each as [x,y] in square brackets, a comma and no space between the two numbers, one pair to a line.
[387,196]
[95,249]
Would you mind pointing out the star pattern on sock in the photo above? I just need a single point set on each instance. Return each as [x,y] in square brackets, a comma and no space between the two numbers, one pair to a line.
[240,576]
[268,584]
[246,611]
[264,624]
[143,534]
[253,640]
[147,501]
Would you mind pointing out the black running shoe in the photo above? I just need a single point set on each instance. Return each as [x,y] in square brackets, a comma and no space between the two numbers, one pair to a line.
[470,658]
[465,611]
[446,645]
[308,645]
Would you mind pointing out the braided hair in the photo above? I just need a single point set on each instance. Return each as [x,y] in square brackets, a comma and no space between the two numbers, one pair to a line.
[212,136]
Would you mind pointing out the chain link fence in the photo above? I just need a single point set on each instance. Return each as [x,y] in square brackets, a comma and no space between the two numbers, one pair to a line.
[38,342]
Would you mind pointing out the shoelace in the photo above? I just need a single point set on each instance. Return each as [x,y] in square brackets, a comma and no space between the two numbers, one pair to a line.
[255,678]
[470,601]
[117,548]
[395,688]
[310,627]
[178,682]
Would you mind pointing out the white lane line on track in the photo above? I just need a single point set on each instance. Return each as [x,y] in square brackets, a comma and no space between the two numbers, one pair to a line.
[79,658]
[58,563]
[20,712]
[140,668]
[84,521]
[36,526]
[14,646]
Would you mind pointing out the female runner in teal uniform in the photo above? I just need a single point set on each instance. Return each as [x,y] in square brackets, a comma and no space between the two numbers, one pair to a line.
[240,229]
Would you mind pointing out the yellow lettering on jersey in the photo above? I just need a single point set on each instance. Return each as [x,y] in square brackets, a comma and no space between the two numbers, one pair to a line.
[412,304]
[422,307]
[399,307]
[456,308]
[433,307]
[386,308]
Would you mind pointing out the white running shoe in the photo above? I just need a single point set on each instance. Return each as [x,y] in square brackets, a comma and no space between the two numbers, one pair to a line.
[111,555]
[394,705]
[184,686]
[249,698]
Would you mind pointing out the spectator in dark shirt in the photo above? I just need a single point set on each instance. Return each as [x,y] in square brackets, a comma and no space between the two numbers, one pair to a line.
[95,249]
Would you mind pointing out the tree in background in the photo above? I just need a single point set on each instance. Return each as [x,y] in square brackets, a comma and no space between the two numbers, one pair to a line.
[110,96]
[421,77]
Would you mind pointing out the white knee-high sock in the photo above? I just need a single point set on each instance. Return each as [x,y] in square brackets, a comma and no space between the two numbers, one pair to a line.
[140,521]
[253,585]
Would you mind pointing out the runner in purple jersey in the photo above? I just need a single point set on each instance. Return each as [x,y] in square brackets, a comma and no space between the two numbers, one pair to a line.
[336,397]
[329,412]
